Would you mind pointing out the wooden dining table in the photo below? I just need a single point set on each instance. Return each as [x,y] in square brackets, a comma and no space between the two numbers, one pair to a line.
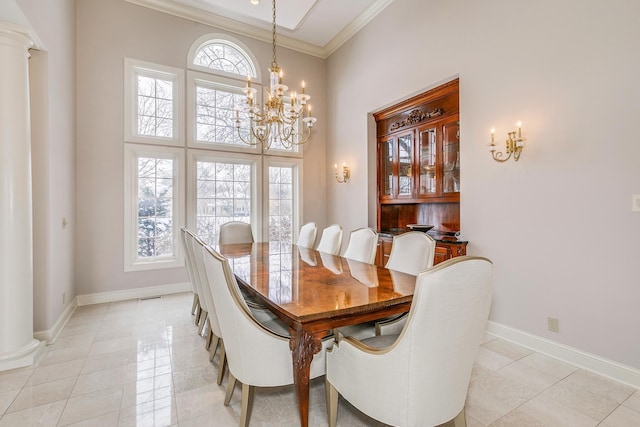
[314,293]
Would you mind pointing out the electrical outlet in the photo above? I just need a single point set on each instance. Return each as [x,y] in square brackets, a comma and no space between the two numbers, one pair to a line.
[64,297]
[552,324]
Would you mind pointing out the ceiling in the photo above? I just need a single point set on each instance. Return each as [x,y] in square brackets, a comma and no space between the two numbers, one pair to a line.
[316,27]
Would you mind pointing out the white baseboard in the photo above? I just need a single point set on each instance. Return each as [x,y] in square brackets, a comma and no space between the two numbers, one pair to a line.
[49,336]
[150,291]
[596,364]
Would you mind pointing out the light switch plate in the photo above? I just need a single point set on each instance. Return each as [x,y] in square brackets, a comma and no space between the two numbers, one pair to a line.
[635,203]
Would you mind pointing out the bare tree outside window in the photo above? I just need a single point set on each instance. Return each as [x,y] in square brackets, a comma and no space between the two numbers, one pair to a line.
[224,56]
[280,204]
[155,202]
[223,195]
[155,107]
[216,115]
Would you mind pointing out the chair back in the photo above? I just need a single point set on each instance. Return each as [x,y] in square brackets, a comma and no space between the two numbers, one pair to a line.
[235,232]
[188,260]
[307,236]
[197,282]
[423,377]
[363,243]
[330,240]
[197,247]
[411,252]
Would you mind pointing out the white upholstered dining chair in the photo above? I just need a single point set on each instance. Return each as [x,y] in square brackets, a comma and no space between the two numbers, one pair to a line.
[330,240]
[411,253]
[256,355]
[307,235]
[421,376]
[362,246]
[233,232]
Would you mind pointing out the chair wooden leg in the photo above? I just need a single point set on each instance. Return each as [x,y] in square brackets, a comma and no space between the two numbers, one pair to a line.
[213,348]
[196,304]
[201,313]
[201,317]
[247,404]
[332,404]
[460,420]
[223,363]
[210,335]
[231,385]
[196,315]
[203,321]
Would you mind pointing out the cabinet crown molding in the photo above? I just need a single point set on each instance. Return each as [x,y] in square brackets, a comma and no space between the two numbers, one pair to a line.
[416,116]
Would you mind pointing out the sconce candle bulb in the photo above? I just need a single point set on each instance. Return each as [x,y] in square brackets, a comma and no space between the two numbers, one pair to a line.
[346,174]
[514,145]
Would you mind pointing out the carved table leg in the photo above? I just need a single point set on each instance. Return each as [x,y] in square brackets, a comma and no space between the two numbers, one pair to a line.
[303,346]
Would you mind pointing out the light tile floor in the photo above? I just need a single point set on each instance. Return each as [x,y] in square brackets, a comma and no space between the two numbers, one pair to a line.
[141,363]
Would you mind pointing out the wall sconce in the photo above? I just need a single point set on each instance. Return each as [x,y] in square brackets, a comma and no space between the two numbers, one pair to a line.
[345,173]
[514,145]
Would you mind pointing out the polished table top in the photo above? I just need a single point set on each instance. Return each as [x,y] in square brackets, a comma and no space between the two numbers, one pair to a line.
[307,284]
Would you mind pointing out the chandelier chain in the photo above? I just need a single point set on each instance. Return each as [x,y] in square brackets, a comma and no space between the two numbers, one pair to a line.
[274,64]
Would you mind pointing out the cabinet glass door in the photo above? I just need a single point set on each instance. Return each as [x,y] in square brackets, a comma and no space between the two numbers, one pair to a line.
[451,158]
[386,168]
[405,165]
[427,162]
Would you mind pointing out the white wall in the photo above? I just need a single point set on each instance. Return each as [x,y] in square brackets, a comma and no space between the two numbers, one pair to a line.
[109,31]
[52,85]
[558,224]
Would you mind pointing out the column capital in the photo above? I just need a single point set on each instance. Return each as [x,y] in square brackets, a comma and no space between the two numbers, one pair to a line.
[13,20]
[15,36]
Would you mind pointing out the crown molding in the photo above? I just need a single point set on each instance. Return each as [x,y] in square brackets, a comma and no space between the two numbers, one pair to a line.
[221,22]
[355,26]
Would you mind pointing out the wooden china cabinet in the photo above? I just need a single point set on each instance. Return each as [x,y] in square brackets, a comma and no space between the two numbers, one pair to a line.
[418,156]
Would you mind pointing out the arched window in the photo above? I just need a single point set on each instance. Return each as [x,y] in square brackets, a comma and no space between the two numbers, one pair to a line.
[222,56]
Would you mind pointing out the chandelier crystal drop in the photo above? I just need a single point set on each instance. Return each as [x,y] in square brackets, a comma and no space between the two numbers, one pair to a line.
[281,121]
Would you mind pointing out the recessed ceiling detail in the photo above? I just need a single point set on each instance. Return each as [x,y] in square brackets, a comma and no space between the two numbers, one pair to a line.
[315,27]
[291,13]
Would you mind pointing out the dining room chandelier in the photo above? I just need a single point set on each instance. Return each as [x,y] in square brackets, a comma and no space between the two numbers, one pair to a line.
[281,121]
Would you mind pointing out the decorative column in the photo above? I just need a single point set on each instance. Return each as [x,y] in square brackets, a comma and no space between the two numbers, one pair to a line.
[17,345]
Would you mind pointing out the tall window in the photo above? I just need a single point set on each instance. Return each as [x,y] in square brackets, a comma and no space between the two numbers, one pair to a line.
[155,106]
[153,206]
[225,191]
[155,200]
[154,103]
[283,182]
[280,204]
[215,112]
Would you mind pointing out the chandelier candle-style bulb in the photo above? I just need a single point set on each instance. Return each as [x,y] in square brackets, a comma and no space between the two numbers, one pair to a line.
[276,121]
